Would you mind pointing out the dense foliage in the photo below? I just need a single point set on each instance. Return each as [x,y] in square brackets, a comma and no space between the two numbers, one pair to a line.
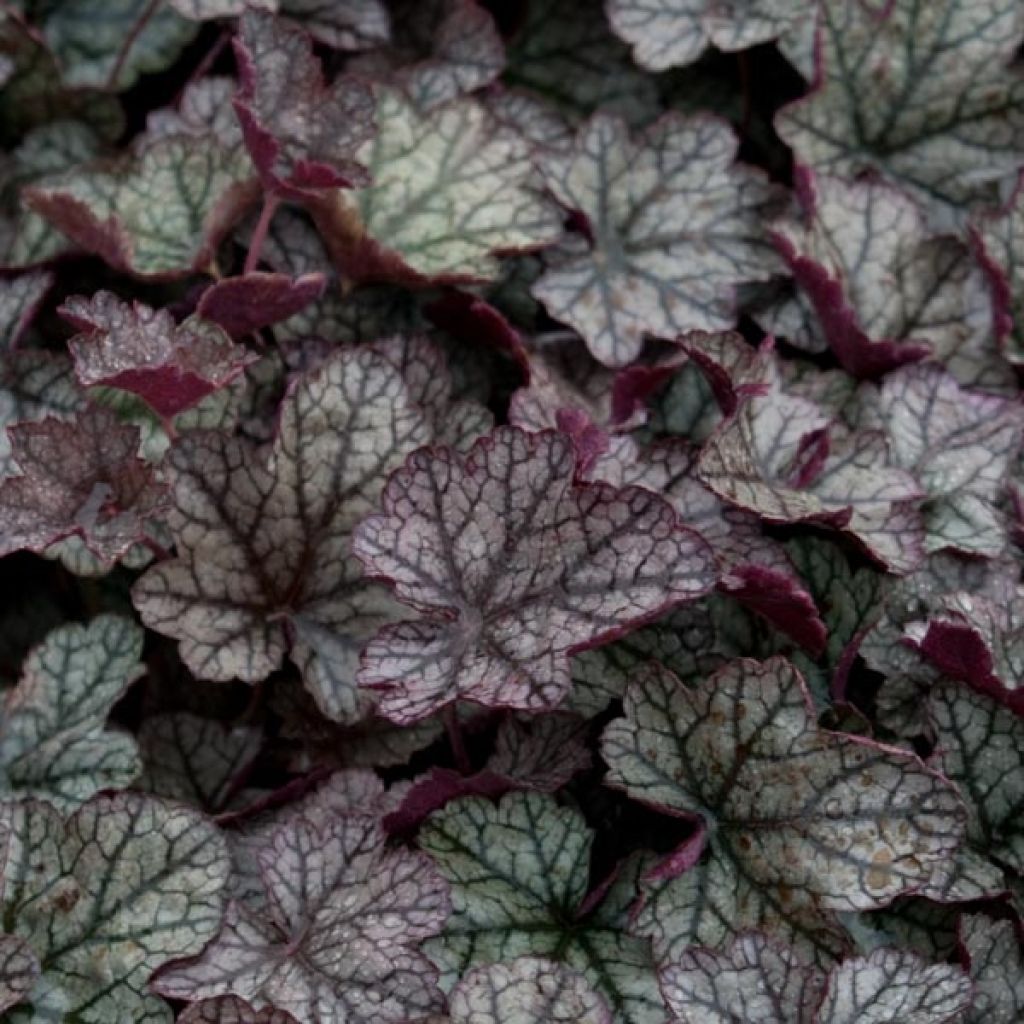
[512,512]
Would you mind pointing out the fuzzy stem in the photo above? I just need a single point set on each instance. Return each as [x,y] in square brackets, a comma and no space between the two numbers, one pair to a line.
[259,234]
[129,41]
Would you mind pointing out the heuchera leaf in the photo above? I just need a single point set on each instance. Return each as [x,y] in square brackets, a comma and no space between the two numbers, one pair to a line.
[80,476]
[670,227]
[343,24]
[263,543]
[993,953]
[529,990]
[53,741]
[205,10]
[105,897]
[303,135]
[666,34]
[519,871]
[450,188]
[339,939]
[20,298]
[19,970]
[817,821]
[246,303]
[755,980]
[512,568]
[231,1010]
[159,214]
[142,350]
[919,93]
[959,445]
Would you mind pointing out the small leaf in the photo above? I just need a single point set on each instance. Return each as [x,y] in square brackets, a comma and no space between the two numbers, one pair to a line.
[529,990]
[513,567]
[672,227]
[921,94]
[247,303]
[450,188]
[994,957]
[138,349]
[664,35]
[206,10]
[342,24]
[159,214]
[345,916]
[303,134]
[19,970]
[101,899]
[518,871]
[231,1010]
[20,298]
[82,477]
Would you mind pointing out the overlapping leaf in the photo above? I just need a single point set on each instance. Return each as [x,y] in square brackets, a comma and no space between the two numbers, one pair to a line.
[664,35]
[512,568]
[303,135]
[670,227]
[231,1010]
[519,871]
[343,24]
[246,303]
[80,476]
[18,971]
[996,964]
[345,916]
[105,897]
[754,980]
[921,93]
[450,188]
[53,740]
[139,349]
[20,298]
[263,543]
[813,821]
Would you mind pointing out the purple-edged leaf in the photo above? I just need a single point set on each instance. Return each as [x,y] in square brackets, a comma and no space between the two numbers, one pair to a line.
[519,871]
[339,940]
[247,303]
[195,760]
[671,227]
[142,350]
[54,744]
[80,476]
[568,56]
[861,260]
[232,1010]
[920,93]
[823,820]
[752,979]
[529,990]
[959,445]
[1000,241]
[264,539]
[105,897]
[342,24]
[513,567]
[996,963]
[773,457]
[979,746]
[159,214]
[451,187]
[20,298]
[303,134]
[667,34]
[440,49]
[204,109]
[19,970]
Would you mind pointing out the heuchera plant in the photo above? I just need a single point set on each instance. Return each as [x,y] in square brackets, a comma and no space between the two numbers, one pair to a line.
[511,512]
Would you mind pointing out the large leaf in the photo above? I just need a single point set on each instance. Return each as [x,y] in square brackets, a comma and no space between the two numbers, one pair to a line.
[450,188]
[670,227]
[159,214]
[138,349]
[512,568]
[264,542]
[529,990]
[303,135]
[816,820]
[519,871]
[754,980]
[82,477]
[665,34]
[338,942]
[124,885]
[53,741]
[920,93]
[959,445]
